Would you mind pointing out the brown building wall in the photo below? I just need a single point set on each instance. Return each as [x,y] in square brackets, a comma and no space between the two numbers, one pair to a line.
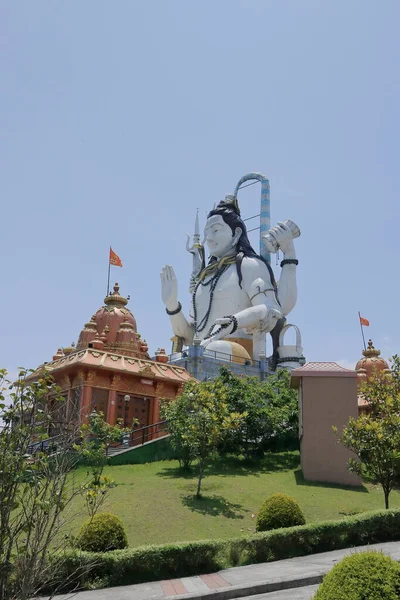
[326,401]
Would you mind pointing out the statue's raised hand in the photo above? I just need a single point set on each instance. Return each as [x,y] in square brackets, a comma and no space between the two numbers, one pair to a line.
[284,238]
[169,288]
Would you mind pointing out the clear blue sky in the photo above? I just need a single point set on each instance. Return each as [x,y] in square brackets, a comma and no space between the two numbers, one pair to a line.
[118,119]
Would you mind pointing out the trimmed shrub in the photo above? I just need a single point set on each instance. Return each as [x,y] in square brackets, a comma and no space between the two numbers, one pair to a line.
[75,569]
[279,510]
[103,533]
[363,576]
[80,570]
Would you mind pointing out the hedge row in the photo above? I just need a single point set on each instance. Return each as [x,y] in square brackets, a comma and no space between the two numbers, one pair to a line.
[153,563]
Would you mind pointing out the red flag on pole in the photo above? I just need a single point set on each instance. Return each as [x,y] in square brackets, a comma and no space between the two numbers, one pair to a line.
[116,261]
[364,322]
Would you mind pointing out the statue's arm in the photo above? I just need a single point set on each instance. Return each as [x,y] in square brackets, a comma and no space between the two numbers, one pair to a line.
[287,287]
[169,288]
[182,328]
[258,286]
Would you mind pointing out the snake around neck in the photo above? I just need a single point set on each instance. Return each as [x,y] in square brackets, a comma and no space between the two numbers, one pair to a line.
[214,271]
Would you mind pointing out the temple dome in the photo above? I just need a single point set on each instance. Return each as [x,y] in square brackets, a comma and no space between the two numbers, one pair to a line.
[372,362]
[114,326]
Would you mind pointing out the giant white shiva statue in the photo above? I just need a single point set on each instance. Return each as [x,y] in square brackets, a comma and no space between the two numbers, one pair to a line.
[236,300]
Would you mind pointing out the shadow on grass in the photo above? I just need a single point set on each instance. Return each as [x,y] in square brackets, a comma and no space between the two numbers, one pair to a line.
[299,477]
[226,466]
[215,506]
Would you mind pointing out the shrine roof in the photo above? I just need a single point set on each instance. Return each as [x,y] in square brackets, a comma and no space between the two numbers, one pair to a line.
[113,329]
[98,359]
[320,369]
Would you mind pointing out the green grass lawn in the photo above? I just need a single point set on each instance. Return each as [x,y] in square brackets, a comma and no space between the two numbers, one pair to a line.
[157,505]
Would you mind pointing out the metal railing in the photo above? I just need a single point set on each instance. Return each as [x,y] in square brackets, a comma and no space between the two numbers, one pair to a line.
[53,444]
[46,445]
[138,437]
[148,433]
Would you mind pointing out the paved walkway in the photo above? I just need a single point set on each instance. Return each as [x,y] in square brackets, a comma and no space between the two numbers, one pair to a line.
[263,580]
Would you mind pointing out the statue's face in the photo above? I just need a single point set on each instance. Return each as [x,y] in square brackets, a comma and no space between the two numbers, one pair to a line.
[219,238]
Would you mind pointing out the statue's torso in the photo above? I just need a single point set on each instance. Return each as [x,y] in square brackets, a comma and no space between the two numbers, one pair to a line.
[228,299]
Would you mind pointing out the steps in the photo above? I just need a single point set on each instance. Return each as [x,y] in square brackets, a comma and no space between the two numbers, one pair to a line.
[113,450]
[121,449]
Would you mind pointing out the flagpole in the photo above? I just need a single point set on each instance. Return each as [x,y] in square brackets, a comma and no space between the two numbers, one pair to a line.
[362,331]
[108,280]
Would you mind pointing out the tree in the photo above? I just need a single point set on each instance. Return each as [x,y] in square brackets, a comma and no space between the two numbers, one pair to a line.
[37,484]
[271,408]
[34,485]
[198,419]
[96,436]
[375,436]
[177,413]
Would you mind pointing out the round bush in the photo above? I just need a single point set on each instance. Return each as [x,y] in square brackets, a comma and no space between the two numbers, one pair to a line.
[103,533]
[278,511]
[363,576]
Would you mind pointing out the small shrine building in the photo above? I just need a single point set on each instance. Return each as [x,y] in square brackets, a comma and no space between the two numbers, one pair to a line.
[371,363]
[110,369]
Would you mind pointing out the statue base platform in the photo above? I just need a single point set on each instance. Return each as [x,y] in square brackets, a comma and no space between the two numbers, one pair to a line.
[205,364]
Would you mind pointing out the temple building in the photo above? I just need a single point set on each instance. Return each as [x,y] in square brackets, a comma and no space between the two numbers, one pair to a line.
[110,369]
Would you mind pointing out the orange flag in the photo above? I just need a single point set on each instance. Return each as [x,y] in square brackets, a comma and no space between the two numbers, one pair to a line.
[115,259]
[364,322]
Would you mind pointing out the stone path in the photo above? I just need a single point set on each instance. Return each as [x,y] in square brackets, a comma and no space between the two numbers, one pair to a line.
[187,585]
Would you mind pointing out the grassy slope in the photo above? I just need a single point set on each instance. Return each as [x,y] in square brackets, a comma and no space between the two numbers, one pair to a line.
[157,505]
